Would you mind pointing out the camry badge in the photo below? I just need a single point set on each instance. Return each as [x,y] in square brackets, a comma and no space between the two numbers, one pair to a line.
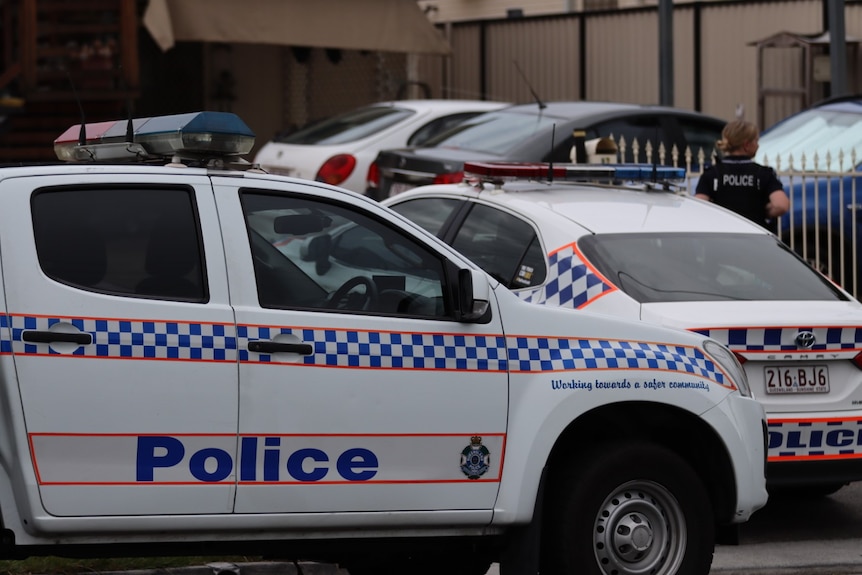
[805,340]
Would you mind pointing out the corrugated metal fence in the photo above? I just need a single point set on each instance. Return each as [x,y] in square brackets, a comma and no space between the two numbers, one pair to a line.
[614,55]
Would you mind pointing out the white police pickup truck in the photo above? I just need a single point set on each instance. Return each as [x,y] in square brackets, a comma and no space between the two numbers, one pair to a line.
[197,359]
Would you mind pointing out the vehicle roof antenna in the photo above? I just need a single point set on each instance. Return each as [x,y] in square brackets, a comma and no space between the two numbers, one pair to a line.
[538,100]
[130,126]
[82,133]
[551,157]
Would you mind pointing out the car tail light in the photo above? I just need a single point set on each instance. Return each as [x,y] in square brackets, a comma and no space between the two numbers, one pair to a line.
[372,180]
[453,178]
[740,358]
[857,360]
[336,169]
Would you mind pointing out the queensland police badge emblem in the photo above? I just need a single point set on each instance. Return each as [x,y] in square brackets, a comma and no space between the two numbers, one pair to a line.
[475,458]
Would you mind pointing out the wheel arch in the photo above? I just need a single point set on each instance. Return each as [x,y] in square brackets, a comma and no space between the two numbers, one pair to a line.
[677,429]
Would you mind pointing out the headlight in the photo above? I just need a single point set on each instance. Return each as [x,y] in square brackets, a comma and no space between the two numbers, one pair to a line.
[728,362]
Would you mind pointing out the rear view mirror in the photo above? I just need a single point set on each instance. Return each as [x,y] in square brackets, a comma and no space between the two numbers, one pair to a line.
[301,224]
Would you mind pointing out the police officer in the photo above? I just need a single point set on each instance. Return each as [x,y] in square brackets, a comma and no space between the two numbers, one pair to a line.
[739,183]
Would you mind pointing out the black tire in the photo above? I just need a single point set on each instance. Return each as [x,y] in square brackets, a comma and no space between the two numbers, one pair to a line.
[626,509]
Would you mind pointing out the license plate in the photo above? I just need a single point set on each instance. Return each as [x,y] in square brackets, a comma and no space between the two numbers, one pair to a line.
[398,187]
[797,379]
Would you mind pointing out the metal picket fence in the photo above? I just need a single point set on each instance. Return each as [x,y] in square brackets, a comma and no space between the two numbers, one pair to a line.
[822,224]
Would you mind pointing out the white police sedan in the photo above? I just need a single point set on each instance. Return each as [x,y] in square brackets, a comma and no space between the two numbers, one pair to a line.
[623,241]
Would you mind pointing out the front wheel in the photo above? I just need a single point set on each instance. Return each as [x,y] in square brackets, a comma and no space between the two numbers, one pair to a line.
[628,509]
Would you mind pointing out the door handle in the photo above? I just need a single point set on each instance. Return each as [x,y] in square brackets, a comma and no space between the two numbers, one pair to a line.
[55,336]
[277,347]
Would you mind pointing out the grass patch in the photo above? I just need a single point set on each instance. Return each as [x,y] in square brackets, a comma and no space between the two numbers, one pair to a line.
[66,566]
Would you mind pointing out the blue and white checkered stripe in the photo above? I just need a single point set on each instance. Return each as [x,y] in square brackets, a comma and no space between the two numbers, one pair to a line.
[135,339]
[784,338]
[380,349]
[144,339]
[553,354]
[833,438]
[341,348]
[570,283]
[5,341]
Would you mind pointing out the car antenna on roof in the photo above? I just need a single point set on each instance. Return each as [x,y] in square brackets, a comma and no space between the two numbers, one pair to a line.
[551,157]
[652,156]
[538,100]
[130,125]
[82,132]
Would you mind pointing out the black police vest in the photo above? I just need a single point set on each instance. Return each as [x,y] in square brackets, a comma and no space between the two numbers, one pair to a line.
[738,187]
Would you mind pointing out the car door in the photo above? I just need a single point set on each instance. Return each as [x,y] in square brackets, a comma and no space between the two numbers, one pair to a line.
[122,338]
[358,392]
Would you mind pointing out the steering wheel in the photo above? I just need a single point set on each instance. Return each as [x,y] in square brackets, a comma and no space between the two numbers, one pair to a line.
[345,298]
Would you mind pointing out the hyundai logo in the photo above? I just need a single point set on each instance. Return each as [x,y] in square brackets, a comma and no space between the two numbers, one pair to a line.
[805,340]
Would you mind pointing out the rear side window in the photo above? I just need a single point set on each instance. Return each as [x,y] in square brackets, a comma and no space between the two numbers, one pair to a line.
[637,133]
[429,213]
[503,245]
[701,138]
[140,242]
[348,127]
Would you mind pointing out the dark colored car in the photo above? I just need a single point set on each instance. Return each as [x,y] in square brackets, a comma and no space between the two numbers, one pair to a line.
[545,133]
[817,153]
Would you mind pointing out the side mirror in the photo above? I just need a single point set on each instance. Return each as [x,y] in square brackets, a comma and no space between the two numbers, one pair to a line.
[473,296]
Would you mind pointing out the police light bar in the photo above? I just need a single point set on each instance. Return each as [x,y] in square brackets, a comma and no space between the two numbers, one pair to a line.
[195,135]
[510,171]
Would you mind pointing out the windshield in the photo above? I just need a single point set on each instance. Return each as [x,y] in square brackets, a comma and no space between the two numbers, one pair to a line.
[494,132]
[818,131]
[677,267]
[347,127]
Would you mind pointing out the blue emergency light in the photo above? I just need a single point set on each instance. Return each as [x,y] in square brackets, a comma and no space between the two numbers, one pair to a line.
[511,171]
[195,135]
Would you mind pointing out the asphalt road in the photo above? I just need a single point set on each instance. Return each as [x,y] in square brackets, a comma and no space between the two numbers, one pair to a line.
[792,535]
[799,536]
[795,535]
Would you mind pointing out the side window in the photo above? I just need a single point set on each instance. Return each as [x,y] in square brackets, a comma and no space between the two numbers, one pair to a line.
[429,213]
[563,144]
[436,127]
[142,242]
[639,132]
[502,245]
[315,255]
[701,138]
